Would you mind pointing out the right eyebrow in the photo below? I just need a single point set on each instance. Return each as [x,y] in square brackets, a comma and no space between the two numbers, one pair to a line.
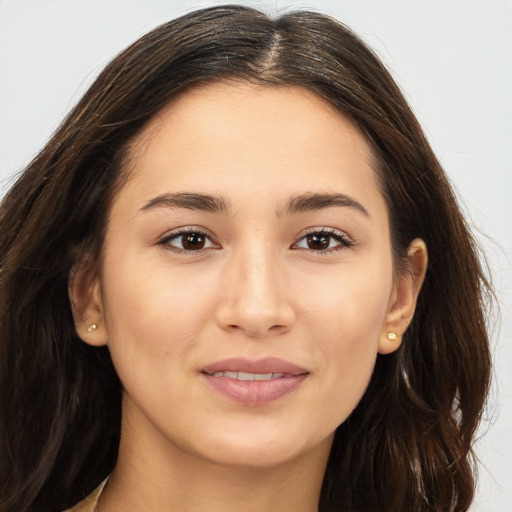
[312,201]
[190,201]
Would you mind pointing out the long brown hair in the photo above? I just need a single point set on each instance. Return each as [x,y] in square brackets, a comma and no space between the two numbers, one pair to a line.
[407,445]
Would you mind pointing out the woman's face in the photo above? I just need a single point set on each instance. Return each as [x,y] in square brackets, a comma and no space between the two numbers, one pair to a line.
[247,281]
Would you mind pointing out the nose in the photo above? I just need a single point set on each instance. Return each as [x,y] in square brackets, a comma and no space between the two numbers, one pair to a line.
[255,297]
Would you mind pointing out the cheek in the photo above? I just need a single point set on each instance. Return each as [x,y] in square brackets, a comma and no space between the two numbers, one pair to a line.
[154,296]
[154,316]
[350,304]
[344,318]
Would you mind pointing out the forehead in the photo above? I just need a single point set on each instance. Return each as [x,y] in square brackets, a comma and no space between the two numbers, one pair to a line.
[244,139]
[238,109]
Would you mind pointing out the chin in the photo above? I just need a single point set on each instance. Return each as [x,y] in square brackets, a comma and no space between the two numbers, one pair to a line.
[262,451]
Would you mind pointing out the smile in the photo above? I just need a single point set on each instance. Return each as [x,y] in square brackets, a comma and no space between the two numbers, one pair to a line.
[253,382]
[249,376]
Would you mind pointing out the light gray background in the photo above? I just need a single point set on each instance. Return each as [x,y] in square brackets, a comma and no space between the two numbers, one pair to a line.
[453,58]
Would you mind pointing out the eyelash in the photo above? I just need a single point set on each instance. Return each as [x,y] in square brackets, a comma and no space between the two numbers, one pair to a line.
[165,241]
[344,241]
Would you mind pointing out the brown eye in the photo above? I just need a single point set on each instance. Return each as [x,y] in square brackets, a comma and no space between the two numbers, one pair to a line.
[324,240]
[318,241]
[188,241]
[193,241]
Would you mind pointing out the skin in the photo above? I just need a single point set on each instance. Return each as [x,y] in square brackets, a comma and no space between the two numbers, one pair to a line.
[257,288]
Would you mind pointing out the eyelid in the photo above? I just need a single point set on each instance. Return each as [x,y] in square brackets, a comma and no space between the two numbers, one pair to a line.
[346,241]
[182,231]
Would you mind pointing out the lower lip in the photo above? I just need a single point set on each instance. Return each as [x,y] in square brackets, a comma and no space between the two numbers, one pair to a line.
[255,392]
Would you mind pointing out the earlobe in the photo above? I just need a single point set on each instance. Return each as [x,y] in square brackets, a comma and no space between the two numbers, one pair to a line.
[87,305]
[404,297]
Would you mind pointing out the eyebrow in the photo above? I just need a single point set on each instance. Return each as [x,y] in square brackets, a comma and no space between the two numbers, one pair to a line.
[311,202]
[219,205]
[190,201]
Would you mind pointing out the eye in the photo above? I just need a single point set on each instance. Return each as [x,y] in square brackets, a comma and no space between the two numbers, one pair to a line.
[189,240]
[324,240]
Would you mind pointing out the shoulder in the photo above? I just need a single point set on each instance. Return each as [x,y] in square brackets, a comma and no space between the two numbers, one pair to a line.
[89,503]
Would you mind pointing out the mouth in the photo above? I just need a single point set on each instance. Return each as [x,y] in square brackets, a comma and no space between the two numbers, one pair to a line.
[250,376]
[243,369]
[254,382]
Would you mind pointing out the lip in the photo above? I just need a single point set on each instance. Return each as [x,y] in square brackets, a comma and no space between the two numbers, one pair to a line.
[254,392]
[265,365]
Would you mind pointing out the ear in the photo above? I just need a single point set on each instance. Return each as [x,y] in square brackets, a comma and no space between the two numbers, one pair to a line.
[84,291]
[404,297]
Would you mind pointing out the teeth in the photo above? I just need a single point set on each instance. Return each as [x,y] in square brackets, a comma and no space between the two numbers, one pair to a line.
[264,376]
[248,376]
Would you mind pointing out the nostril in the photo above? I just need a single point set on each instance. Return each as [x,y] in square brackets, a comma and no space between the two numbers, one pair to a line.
[255,320]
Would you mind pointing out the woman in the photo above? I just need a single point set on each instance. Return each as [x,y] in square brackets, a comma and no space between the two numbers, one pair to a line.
[246,283]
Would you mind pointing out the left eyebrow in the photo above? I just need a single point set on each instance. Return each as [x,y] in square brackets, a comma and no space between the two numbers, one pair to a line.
[189,201]
[311,202]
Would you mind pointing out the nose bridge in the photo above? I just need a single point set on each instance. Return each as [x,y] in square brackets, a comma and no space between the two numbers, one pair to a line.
[259,284]
[255,301]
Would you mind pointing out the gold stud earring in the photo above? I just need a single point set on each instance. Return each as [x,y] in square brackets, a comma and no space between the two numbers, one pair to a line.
[392,336]
[92,327]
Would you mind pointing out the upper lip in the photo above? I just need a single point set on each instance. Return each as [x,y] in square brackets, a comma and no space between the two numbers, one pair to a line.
[264,365]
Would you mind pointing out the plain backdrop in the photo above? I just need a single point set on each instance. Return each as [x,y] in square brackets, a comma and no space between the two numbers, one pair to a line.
[453,59]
